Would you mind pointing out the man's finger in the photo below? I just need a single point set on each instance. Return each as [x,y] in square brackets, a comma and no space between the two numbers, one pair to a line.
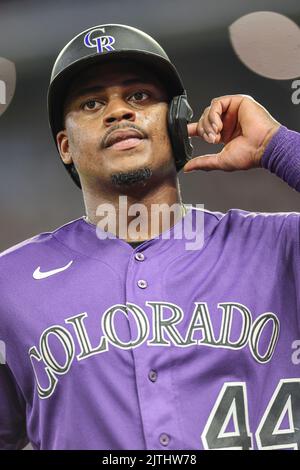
[215,116]
[192,129]
[195,129]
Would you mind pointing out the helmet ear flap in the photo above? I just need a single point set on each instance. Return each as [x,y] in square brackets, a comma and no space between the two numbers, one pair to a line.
[73,173]
[179,114]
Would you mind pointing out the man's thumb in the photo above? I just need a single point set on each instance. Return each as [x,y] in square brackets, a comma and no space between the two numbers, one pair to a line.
[203,162]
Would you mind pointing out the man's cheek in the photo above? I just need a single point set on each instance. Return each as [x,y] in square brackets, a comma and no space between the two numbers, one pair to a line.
[85,138]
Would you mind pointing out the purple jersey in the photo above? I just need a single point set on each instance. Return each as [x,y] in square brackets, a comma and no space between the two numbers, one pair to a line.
[157,347]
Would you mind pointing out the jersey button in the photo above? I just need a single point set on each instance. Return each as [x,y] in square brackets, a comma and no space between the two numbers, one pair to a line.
[139,256]
[152,375]
[142,284]
[164,439]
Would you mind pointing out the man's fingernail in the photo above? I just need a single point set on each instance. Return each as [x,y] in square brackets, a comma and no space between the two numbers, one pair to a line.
[212,137]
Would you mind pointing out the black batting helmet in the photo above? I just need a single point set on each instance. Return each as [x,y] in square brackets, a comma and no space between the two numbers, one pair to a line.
[104,42]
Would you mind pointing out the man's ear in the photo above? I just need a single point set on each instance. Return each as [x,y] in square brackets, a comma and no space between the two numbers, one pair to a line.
[63,146]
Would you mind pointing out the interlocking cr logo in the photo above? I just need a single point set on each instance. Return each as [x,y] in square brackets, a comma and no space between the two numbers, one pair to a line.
[103,42]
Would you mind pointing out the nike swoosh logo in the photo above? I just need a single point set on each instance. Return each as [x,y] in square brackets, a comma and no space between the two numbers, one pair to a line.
[42,275]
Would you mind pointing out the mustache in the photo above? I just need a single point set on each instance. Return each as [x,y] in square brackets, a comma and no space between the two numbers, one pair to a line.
[119,127]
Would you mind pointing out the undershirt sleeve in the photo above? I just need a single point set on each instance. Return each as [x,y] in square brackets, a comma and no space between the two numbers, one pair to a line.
[282,156]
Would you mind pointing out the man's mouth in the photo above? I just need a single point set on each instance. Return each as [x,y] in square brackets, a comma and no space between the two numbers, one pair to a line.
[126,144]
[124,140]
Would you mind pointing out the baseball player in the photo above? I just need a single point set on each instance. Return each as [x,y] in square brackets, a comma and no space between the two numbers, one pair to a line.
[137,342]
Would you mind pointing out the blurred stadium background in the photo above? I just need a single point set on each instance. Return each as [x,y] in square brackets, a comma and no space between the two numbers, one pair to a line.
[36,193]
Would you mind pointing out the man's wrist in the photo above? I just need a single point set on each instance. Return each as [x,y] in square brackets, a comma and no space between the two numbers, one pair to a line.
[267,140]
[276,137]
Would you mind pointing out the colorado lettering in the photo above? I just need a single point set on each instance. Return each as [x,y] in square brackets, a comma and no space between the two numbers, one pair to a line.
[260,335]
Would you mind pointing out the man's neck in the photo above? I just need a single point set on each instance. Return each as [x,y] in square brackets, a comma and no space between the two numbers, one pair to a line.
[133,218]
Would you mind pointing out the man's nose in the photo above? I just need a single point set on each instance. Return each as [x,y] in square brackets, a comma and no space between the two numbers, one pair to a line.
[118,110]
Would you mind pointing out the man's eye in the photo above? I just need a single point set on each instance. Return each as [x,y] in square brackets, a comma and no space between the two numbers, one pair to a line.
[91,104]
[139,96]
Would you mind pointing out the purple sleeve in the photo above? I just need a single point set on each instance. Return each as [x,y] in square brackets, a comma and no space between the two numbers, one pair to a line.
[282,156]
[12,413]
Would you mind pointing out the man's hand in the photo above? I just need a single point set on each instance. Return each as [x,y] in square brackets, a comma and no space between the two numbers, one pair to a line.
[239,122]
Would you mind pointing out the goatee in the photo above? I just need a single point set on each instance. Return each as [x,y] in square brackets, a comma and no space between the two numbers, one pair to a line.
[129,178]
